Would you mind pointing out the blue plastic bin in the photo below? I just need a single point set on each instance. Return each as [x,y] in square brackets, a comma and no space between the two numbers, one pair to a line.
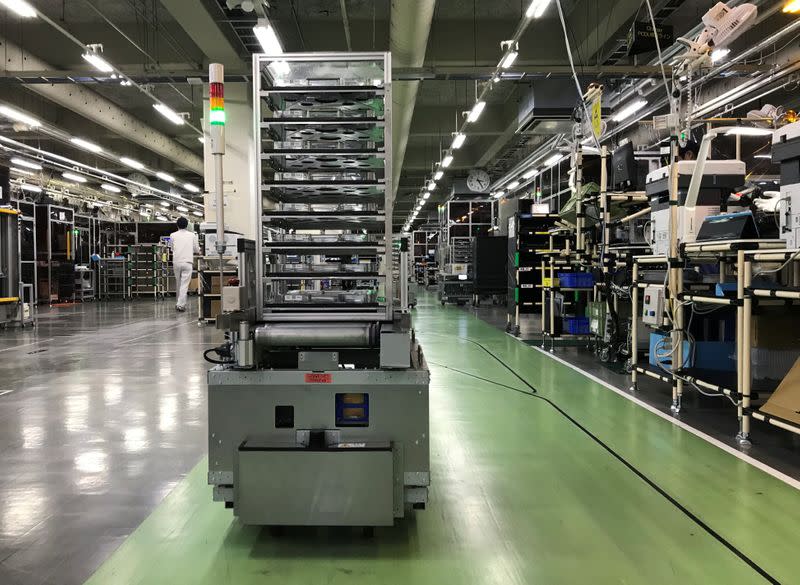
[576,325]
[575,279]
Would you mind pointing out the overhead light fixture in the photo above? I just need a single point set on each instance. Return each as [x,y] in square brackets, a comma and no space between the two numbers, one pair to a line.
[529,174]
[201,139]
[20,171]
[498,194]
[163,203]
[513,185]
[20,8]
[476,111]
[748,131]
[165,177]
[86,145]
[18,116]
[182,208]
[169,114]
[31,188]
[509,58]
[536,8]
[431,185]
[458,140]
[438,175]
[197,213]
[134,164]
[92,56]
[447,160]
[769,156]
[191,188]
[267,38]
[26,163]
[111,188]
[792,6]
[629,110]
[426,196]
[718,55]
[552,160]
[73,177]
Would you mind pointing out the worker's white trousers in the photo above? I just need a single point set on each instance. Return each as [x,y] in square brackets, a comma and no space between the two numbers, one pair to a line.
[183,275]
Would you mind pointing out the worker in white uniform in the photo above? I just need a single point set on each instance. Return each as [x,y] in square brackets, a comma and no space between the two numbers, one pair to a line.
[184,246]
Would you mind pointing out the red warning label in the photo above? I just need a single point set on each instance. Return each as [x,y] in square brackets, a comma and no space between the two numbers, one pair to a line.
[319,378]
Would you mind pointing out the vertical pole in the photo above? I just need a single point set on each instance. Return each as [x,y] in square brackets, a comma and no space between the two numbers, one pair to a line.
[579,205]
[604,208]
[216,75]
[743,333]
[675,277]
[634,324]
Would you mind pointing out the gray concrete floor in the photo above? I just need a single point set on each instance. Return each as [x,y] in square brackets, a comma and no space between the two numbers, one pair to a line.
[102,412]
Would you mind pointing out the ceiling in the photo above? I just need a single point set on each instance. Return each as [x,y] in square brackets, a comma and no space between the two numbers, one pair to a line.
[164,43]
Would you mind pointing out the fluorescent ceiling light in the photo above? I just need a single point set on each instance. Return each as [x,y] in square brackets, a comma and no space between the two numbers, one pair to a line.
[169,114]
[629,110]
[552,160]
[499,194]
[181,208]
[513,185]
[447,161]
[458,140]
[20,7]
[191,188]
[201,139]
[26,163]
[748,131]
[134,164]
[769,156]
[267,38]
[73,177]
[509,59]
[792,6]
[536,8]
[431,185]
[438,175]
[111,188]
[19,116]
[165,177]
[476,111]
[86,145]
[529,174]
[31,188]
[718,55]
[426,196]
[163,204]
[197,213]
[21,171]
[98,62]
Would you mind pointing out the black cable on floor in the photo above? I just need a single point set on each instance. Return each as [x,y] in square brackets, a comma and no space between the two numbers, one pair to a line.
[688,513]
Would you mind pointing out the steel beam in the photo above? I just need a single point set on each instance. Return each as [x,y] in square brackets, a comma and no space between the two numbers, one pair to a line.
[98,109]
[204,31]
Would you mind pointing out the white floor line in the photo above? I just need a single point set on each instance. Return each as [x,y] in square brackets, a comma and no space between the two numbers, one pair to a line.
[790,481]
[27,344]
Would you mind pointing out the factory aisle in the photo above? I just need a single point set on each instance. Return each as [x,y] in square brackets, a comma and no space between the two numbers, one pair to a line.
[539,475]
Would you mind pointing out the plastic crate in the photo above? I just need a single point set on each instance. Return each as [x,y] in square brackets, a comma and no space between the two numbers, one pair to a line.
[576,325]
[576,279]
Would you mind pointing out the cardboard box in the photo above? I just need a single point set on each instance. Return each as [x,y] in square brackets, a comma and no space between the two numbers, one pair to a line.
[775,328]
[216,308]
[785,401]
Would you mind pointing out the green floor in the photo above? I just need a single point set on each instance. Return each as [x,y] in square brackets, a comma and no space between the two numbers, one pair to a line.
[520,494]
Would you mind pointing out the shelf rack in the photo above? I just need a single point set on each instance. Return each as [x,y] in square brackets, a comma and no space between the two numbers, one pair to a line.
[322,123]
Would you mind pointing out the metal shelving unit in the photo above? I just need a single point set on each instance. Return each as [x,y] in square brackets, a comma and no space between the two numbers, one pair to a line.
[323,131]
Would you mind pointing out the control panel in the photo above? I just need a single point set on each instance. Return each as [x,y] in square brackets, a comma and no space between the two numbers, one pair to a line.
[653,306]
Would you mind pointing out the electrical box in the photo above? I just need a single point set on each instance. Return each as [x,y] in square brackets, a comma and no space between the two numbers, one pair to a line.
[653,306]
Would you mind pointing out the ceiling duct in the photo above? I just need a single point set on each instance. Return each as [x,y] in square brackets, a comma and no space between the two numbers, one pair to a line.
[547,108]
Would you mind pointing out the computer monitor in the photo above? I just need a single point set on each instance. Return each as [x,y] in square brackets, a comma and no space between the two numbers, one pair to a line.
[624,169]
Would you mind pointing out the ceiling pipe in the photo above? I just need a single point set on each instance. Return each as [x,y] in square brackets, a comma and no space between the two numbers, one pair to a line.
[408,41]
[99,110]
